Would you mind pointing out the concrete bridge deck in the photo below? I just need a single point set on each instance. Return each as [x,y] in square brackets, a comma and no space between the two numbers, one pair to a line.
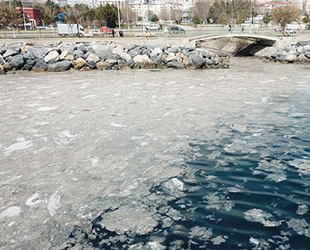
[241,36]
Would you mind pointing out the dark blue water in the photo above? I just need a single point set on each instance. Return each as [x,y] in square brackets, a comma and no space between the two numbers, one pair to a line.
[245,187]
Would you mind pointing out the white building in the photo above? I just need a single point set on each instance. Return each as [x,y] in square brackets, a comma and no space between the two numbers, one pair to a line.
[122,3]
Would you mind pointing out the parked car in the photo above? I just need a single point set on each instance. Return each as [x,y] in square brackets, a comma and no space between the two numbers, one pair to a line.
[95,32]
[288,30]
[153,26]
[176,30]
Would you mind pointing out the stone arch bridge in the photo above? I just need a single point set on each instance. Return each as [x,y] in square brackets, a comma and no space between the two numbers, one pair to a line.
[234,44]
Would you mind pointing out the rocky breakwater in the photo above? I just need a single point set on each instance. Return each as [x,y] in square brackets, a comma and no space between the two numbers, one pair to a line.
[104,56]
[298,52]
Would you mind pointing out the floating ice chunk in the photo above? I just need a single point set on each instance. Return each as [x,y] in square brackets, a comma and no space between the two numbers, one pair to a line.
[47,108]
[53,203]
[254,241]
[302,209]
[258,215]
[64,137]
[88,96]
[65,134]
[30,202]
[218,240]
[18,146]
[277,177]
[42,123]
[301,227]
[173,186]
[303,165]
[129,219]
[201,233]
[11,212]
[116,125]
[218,201]
[137,137]
[155,245]
[174,214]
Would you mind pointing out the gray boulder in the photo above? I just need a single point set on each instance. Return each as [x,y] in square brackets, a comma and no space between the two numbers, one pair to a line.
[134,52]
[129,47]
[114,56]
[68,48]
[91,65]
[40,66]
[16,61]
[306,53]
[59,66]
[82,48]
[3,49]
[79,54]
[173,49]
[196,60]
[34,52]
[11,52]
[302,43]
[175,65]
[7,66]
[131,63]
[29,64]
[103,51]
[1,60]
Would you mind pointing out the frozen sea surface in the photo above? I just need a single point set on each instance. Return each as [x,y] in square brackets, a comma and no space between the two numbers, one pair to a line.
[214,159]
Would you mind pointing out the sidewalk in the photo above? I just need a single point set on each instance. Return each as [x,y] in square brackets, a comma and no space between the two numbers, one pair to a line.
[132,40]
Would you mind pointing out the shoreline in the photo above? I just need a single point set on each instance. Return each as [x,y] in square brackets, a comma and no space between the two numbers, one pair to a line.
[85,54]
[104,55]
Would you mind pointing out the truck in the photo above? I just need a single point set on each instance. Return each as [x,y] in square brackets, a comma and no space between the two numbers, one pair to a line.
[70,29]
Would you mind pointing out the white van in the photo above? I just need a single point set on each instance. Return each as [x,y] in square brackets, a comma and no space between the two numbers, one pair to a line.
[153,26]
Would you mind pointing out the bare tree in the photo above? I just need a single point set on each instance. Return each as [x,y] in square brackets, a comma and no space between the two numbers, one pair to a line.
[285,15]
[9,16]
[164,15]
[132,16]
[176,15]
[201,8]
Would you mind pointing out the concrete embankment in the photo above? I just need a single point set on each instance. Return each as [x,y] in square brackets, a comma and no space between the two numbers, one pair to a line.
[104,55]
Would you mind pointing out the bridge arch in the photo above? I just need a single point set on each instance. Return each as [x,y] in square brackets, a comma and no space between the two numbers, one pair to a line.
[234,44]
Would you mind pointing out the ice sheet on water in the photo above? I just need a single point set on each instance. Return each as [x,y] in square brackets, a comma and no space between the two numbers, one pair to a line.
[147,246]
[201,233]
[303,165]
[218,240]
[258,215]
[135,220]
[275,170]
[218,201]
[173,186]
[302,209]
[174,214]
[301,227]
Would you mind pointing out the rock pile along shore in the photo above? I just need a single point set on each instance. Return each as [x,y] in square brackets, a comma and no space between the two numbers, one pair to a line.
[104,56]
[299,53]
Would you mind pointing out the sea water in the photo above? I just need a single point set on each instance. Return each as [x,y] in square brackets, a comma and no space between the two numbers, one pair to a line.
[214,159]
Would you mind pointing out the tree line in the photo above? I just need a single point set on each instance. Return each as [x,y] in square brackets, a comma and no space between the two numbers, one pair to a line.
[219,11]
